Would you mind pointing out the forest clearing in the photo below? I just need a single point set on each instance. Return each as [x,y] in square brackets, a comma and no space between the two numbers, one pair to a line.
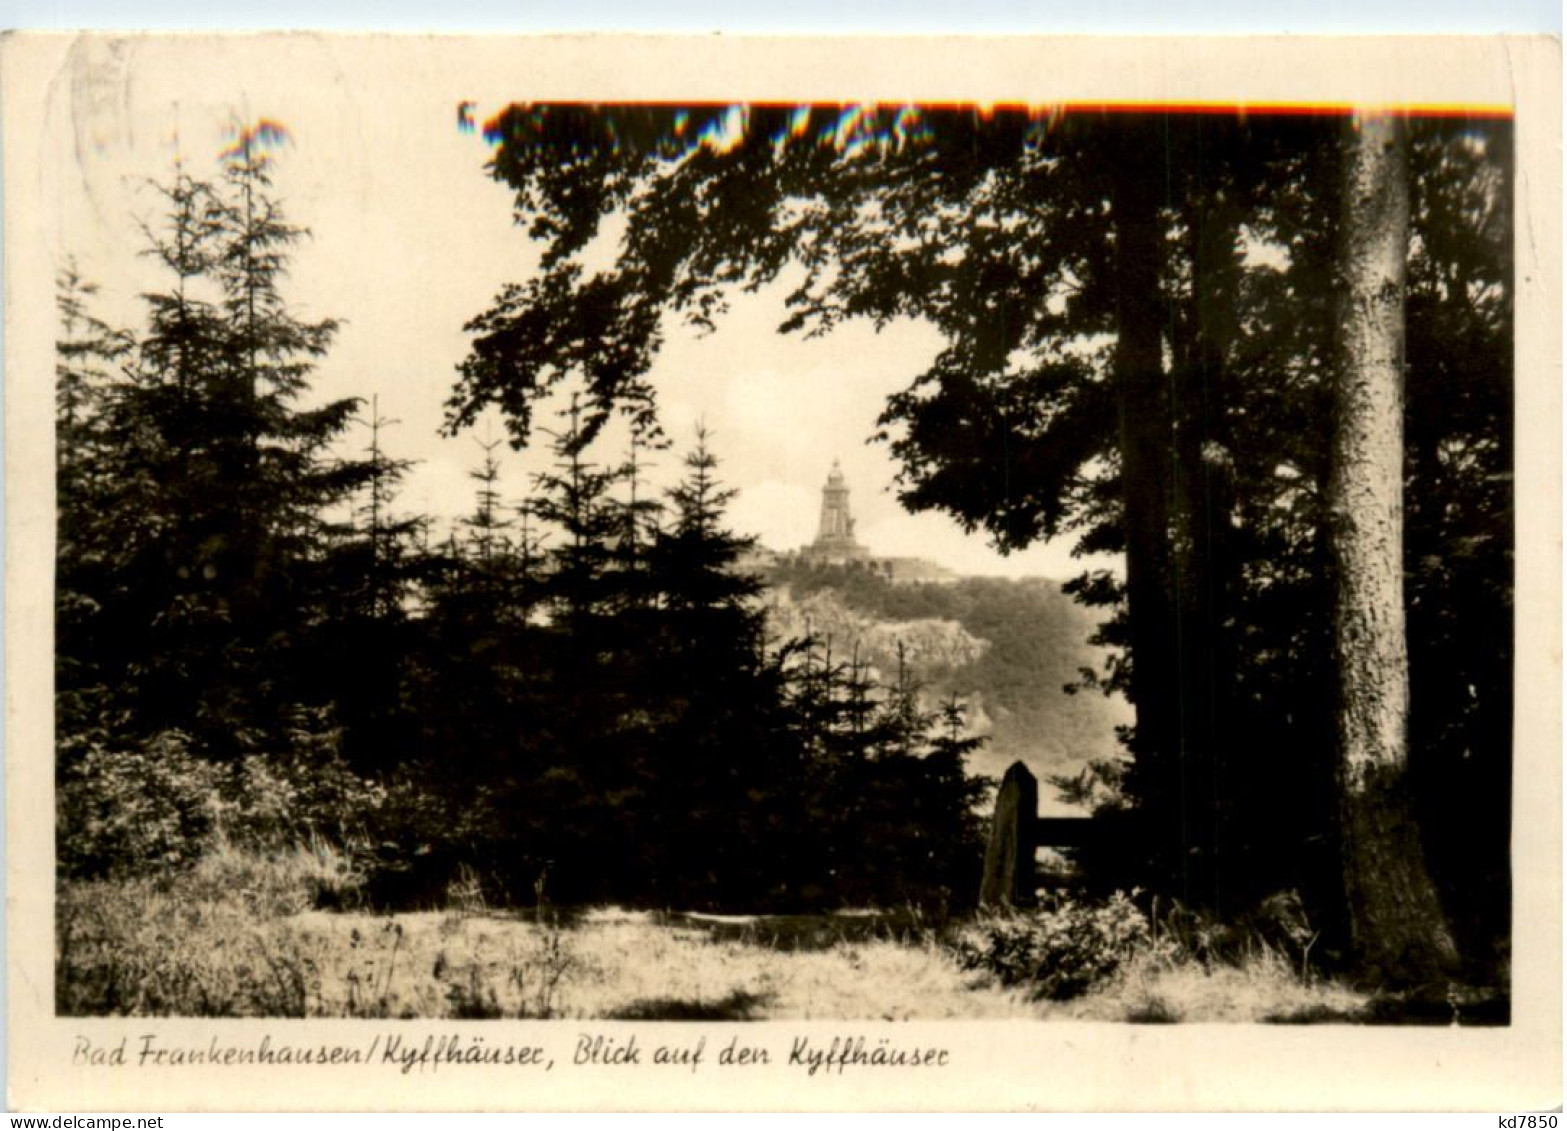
[232,941]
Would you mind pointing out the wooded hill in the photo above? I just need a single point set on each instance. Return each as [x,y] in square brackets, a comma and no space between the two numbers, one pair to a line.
[1014,650]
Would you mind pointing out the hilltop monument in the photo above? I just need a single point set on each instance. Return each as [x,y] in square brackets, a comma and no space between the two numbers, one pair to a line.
[836,544]
[835,532]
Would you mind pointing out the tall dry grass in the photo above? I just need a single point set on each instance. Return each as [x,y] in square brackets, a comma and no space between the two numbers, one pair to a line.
[210,940]
[237,936]
[242,934]
[1263,986]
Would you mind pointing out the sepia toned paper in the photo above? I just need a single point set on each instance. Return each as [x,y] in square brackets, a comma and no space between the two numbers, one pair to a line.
[77,130]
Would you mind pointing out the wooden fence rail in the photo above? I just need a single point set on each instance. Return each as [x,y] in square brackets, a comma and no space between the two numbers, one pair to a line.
[1016,832]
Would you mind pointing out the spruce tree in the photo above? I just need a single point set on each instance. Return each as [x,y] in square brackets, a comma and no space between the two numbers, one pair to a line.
[488,550]
[88,354]
[638,520]
[719,758]
[387,538]
[220,483]
[363,641]
[573,497]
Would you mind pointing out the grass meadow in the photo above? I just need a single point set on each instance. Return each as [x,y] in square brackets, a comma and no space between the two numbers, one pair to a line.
[245,935]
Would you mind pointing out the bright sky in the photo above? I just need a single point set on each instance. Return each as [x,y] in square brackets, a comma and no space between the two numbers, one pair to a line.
[411,239]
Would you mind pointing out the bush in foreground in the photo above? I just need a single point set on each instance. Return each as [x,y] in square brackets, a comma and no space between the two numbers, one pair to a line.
[126,811]
[1108,962]
[154,807]
[1057,952]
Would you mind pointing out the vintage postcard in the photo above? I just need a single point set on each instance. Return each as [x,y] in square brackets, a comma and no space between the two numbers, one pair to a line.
[643,573]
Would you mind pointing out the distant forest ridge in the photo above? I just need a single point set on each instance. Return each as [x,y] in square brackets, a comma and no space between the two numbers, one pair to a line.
[1008,647]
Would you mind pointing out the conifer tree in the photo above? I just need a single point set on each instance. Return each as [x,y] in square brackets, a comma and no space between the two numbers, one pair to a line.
[697,557]
[220,483]
[388,537]
[574,498]
[362,645]
[488,549]
[727,767]
[639,517]
[267,442]
[531,554]
[902,723]
[87,355]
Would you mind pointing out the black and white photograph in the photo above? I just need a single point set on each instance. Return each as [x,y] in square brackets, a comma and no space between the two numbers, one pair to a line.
[609,577]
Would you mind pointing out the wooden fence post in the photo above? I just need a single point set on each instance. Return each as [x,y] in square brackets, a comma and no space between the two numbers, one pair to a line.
[1009,857]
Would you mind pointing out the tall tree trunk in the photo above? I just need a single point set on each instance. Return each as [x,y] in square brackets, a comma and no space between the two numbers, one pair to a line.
[1396,920]
[1146,438]
[1201,557]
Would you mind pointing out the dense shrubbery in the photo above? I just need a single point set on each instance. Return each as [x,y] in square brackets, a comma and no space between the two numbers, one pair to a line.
[160,806]
[304,792]
[129,810]
[1057,952]
[1107,959]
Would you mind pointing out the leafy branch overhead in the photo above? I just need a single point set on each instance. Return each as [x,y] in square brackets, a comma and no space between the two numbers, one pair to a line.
[865,212]
[994,226]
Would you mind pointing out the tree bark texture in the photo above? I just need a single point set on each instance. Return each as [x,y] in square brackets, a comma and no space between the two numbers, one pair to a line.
[1397,923]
